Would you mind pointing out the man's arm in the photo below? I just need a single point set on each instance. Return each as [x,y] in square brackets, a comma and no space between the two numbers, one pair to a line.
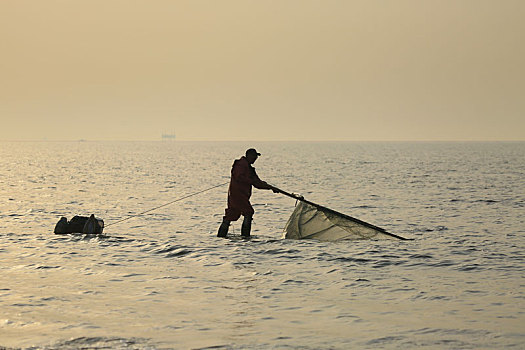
[244,173]
[258,183]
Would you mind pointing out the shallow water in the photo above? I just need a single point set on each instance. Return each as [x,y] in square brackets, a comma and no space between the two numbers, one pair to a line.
[162,280]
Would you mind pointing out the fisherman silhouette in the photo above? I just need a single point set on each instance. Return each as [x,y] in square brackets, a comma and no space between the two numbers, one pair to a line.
[243,177]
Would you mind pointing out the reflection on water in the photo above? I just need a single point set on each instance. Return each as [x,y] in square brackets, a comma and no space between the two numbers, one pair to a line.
[163,280]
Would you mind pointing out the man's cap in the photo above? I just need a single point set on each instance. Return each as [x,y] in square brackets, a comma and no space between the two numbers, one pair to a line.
[252,151]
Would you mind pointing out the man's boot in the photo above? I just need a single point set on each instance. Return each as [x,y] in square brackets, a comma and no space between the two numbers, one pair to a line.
[246,226]
[223,229]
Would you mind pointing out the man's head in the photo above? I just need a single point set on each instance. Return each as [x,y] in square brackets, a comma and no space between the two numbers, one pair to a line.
[252,155]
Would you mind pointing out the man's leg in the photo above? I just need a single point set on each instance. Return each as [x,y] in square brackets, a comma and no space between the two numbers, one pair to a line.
[231,214]
[246,226]
[247,212]
[223,229]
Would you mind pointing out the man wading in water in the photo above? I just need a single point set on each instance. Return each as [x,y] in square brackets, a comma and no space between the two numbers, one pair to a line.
[242,179]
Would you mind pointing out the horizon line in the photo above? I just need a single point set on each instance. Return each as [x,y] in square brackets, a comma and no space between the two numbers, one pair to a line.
[252,140]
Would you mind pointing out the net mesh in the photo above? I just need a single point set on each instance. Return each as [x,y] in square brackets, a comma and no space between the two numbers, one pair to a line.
[309,221]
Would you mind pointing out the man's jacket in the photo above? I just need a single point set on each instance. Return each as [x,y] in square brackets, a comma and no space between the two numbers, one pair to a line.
[242,179]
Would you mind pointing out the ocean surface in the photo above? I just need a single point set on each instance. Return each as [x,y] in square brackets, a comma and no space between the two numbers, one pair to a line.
[163,280]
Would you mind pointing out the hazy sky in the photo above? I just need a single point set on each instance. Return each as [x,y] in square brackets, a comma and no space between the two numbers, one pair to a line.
[262,70]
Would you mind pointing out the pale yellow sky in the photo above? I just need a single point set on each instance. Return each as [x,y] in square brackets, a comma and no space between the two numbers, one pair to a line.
[262,70]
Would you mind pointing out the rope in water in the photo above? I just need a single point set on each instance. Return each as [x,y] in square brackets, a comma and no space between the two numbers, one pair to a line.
[163,205]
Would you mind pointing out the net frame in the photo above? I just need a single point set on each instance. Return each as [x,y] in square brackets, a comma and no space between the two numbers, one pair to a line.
[357,229]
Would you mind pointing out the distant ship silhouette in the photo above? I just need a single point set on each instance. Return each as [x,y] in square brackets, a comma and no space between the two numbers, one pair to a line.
[168,136]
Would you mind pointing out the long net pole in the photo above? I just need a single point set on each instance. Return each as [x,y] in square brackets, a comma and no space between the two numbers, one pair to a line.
[348,217]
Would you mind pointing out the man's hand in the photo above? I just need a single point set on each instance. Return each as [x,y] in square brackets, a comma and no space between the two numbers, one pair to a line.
[274,189]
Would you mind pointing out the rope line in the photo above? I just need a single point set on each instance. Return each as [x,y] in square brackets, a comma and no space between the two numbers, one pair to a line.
[163,205]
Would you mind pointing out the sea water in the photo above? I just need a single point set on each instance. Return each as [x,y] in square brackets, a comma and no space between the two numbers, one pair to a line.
[163,280]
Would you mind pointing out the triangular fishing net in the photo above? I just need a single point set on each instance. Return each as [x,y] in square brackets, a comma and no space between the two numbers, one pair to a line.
[312,221]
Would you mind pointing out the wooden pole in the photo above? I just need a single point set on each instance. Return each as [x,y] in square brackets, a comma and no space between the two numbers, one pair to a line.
[348,217]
